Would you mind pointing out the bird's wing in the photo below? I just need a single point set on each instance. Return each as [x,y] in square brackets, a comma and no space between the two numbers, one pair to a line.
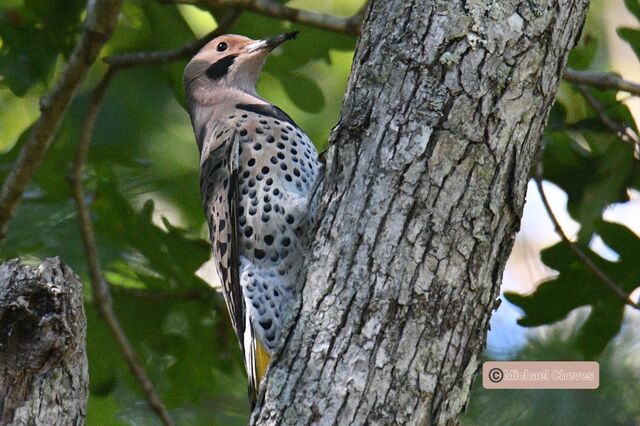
[219,188]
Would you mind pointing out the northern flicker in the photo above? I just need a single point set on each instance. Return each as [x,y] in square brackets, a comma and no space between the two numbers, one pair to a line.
[258,175]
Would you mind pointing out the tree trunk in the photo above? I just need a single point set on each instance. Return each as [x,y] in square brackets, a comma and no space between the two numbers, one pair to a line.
[43,360]
[424,188]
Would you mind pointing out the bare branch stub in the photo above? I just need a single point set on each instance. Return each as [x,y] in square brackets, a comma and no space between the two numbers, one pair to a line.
[43,359]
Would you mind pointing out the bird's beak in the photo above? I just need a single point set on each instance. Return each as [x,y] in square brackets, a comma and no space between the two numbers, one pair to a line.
[271,43]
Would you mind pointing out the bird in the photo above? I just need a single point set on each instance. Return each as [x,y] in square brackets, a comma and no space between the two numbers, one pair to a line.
[259,176]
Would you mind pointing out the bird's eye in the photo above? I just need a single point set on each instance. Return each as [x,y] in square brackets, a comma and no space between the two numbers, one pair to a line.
[222,46]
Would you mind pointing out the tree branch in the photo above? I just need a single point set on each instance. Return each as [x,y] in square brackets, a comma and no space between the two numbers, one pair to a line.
[161,57]
[349,25]
[586,260]
[101,293]
[624,132]
[601,80]
[98,27]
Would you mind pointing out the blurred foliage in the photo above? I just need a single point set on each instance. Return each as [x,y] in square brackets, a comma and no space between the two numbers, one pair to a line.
[142,184]
[615,402]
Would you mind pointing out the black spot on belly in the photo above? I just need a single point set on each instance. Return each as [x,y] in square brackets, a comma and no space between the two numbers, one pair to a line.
[268,239]
[266,324]
[259,254]
[248,231]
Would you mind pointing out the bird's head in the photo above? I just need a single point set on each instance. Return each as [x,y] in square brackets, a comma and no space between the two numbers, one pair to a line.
[230,61]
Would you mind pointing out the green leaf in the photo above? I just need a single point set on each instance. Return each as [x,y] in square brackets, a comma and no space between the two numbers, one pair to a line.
[631,36]
[33,35]
[577,285]
[161,17]
[303,91]
[595,169]
[162,260]
[633,6]
[582,55]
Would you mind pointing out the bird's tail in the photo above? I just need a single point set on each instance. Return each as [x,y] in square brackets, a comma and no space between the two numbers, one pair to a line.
[256,361]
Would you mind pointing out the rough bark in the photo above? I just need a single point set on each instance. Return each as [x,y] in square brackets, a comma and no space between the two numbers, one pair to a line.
[43,360]
[424,189]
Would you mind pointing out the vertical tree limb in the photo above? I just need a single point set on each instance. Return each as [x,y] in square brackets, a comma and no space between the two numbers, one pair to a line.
[423,193]
[101,20]
[43,358]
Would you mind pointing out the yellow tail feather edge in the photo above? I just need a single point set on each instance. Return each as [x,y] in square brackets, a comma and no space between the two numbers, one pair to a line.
[262,362]
[262,359]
